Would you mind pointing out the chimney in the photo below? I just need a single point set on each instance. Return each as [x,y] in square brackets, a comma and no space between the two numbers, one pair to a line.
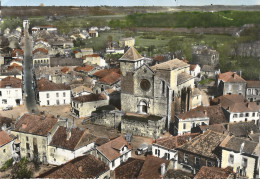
[4,127]
[242,147]
[80,169]
[162,169]
[251,132]
[205,112]
[233,75]
[68,131]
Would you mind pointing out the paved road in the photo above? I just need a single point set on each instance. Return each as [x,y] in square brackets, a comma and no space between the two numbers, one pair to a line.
[30,99]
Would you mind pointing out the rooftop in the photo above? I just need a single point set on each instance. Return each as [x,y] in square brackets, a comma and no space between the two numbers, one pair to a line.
[85,68]
[183,77]
[81,167]
[105,72]
[10,82]
[35,124]
[204,144]
[78,138]
[131,54]
[110,79]
[240,145]
[231,77]
[141,117]
[170,65]
[243,129]
[112,148]
[5,138]
[253,84]
[5,120]
[46,85]
[213,173]
[90,98]
[173,142]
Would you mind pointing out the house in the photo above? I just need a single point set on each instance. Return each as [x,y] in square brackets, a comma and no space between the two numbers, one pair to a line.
[49,28]
[94,59]
[253,91]
[203,55]
[86,69]
[238,109]
[62,44]
[202,150]
[215,173]
[104,72]
[49,93]
[208,71]
[17,53]
[41,60]
[110,81]
[86,166]
[34,133]
[243,129]
[5,122]
[114,152]
[195,70]
[200,116]
[242,155]
[151,167]
[60,61]
[93,33]
[16,62]
[165,147]
[230,83]
[69,143]
[127,42]
[86,51]
[6,146]
[10,92]
[143,125]
[80,91]
[82,106]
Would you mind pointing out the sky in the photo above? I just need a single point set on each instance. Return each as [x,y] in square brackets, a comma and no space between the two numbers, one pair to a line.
[127,2]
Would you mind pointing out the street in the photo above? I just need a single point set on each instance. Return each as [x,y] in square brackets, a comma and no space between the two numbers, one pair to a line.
[30,99]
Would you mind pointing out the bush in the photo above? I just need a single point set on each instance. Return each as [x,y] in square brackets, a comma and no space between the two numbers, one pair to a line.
[20,169]
[7,165]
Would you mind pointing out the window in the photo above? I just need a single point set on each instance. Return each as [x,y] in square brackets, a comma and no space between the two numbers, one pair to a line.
[27,146]
[163,87]
[64,94]
[209,163]
[47,95]
[245,119]
[0,93]
[121,159]
[197,161]
[184,126]
[186,158]
[27,139]
[4,101]
[253,114]
[64,101]
[231,159]
[57,94]
[158,153]
[244,162]
[155,151]
[234,115]
[247,114]
[167,155]
[241,115]
[48,102]
[4,151]
[123,149]
[113,163]
[57,102]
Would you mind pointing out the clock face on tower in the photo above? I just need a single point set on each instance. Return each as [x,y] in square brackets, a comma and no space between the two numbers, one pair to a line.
[145,85]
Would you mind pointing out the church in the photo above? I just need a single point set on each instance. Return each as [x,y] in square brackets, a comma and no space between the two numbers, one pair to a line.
[164,90]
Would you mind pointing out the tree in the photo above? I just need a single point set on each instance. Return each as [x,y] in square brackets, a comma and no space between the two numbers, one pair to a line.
[20,169]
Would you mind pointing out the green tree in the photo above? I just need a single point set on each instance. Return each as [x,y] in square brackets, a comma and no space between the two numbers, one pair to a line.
[20,169]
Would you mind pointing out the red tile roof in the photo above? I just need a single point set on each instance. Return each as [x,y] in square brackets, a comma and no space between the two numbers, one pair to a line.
[111,148]
[105,72]
[110,79]
[158,58]
[78,138]
[213,173]
[230,77]
[4,138]
[192,67]
[90,98]
[173,142]
[65,70]
[16,51]
[41,50]
[85,68]
[151,167]
[46,85]
[86,166]
[15,66]
[130,169]
[35,124]
[92,55]
[11,81]
[253,84]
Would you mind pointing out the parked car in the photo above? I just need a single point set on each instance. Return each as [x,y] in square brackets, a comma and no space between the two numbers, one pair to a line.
[6,108]
[142,149]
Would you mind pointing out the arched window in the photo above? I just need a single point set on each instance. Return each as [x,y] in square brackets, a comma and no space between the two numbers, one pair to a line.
[142,107]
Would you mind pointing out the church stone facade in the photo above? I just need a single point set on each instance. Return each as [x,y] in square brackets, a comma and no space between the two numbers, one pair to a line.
[161,90]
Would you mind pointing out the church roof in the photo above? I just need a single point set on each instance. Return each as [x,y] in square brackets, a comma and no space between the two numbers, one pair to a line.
[170,65]
[131,54]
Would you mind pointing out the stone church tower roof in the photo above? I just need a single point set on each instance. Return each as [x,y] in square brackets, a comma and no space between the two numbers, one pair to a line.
[131,54]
